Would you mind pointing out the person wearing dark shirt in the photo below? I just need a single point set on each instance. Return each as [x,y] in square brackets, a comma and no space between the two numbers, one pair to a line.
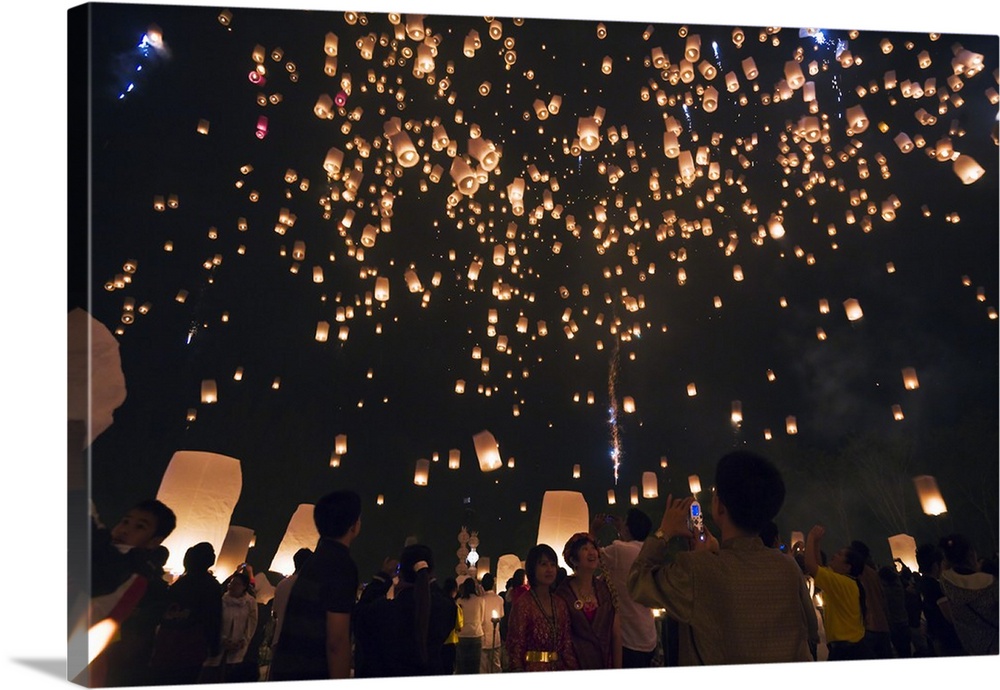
[940,629]
[315,640]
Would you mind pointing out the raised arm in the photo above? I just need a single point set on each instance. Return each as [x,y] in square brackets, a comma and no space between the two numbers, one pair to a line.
[812,552]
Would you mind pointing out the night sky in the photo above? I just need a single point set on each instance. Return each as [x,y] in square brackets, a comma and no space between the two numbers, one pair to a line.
[646,282]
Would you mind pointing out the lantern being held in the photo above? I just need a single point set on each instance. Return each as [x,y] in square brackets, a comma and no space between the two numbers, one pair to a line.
[564,513]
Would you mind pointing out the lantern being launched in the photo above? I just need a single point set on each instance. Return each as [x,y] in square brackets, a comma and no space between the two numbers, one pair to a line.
[904,547]
[238,542]
[564,513]
[202,489]
[488,451]
[300,533]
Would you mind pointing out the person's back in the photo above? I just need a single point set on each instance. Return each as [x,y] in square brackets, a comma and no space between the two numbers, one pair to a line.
[741,603]
[972,597]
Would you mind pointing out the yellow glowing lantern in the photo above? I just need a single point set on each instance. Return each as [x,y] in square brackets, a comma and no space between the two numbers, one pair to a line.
[300,533]
[694,484]
[750,68]
[611,497]
[587,130]
[460,386]
[487,451]
[736,412]
[904,548]
[897,413]
[633,495]
[857,121]
[692,390]
[564,513]
[382,289]
[403,148]
[202,489]
[420,473]
[931,501]
[791,426]
[628,404]
[710,99]
[209,391]
[853,309]
[333,161]
[464,176]
[233,552]
[967,169]
[322,331]
[910,381]
[379,500]
[454,459]
[649,486]
[576,471]
[340,444]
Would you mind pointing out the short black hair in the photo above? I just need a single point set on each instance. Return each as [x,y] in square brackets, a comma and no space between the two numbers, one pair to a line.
[855,560]
[928,555]
[411,555]
[534,554]
[639,524]
[199,558]
[301,556]
[335,513]
[750,487]
[487,581]
[166,521]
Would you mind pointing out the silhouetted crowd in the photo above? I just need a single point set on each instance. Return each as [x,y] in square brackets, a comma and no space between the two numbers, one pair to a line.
[679,594]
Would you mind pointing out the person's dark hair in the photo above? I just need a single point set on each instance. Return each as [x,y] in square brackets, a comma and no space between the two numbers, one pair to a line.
[855,561]
[242,577]
[957,550]
[450,587]
[531,561]
[928,555]
[301,556]
[863,549]
[468,588]
[336,513]
[199,558]
[638,523]
[889,576]
[571,551]
[769,534]
[166,521]
[519,577]
[159,556]
[750,487]
[487,582]
[421,581]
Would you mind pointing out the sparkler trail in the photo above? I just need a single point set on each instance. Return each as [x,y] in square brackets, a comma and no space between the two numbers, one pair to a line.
[613,410]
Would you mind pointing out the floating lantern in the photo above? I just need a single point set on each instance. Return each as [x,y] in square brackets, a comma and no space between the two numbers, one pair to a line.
[420,473]
[791,426]
[564,513]
[454,458]
[694,484]
[233,552]
[576,471]
[382,289]
[967,169]
[930,497]
[897,413]
[904,547]
[322,331]
[611,497]
[487,451]
[736,412]
[649,488]
[209,391]
[910,381]
[379,500]
[202,489]
[340,444]
[628,404]
[692,390]
[301,533]
[853,309]
[587,129]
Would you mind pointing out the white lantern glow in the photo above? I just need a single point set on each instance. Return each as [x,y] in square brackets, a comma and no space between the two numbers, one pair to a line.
[649,485]
[300,533]
[487,450]
[931,501]
[564,513]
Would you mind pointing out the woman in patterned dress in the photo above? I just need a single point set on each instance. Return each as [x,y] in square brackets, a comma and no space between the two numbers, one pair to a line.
[538,637]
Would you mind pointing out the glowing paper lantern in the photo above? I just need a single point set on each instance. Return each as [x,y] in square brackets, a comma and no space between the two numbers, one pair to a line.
[857,121]
[791,426]
[564,513]
[694,483]
[587,129]
[96,383]
[611,497]
[576,471]
[300,533]
[202,489]
[853,309]
[967,169]
[628,404]
[420,473]
[507,564]
[487,451]
[382,289]
[649,487]
[930,497]
[454,459]
[692,390]
[633,495]
[736,412]
[322,331]
[904,547]
[234,551]
[209,391]
[910,381]
[340,444]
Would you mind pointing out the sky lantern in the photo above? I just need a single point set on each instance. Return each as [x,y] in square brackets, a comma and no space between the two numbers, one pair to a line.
[421,471]
[853,309]
[931,501]
[209,392]
[564,513]
[464,176]
[588,130]
[749,68]
[507,565]
[897,413]
[300,534]
[96,382]
[202,489]
[692,390]
[322,331]
[910,381]
[454,458]
[904,547]
[340,444]
[611,497]
[791,425]
[406,152]
[382,289]
[633,495]
[857,121]
[628,404]
[736,412]
[487,450]
[694,484]
[967,169]
[649,487]
[234,551]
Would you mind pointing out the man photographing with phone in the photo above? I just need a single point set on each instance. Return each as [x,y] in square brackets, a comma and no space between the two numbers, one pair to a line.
[736,602]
